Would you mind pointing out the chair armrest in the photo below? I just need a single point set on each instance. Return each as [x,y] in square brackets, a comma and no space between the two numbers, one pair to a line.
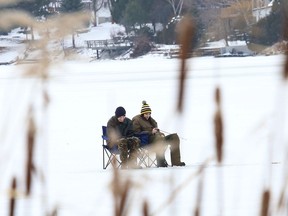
[105,137]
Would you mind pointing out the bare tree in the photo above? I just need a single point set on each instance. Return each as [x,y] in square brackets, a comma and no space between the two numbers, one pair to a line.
[176,5]
[244,7]
[96,6]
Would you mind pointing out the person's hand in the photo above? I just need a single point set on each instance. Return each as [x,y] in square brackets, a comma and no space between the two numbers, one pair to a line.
[155,130]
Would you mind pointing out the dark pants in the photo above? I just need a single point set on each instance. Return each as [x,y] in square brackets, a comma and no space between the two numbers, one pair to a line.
[161,141]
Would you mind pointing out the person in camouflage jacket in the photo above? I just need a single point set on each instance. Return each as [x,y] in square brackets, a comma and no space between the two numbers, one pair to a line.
[145,123]
[120,132]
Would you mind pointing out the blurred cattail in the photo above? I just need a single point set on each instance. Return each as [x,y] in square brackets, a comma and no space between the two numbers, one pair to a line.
[218,126]
[185,32]
[285,36]
[54,212]
[265,203]
[46,97]
[197,211]
[286,66]
[13,197]
[122,200]
[5,2]
[120,193]
[281,202]
[9,18]
[199,196]
[145,208]
[30,148]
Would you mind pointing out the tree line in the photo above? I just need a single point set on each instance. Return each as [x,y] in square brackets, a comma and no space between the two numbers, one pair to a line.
[157,20]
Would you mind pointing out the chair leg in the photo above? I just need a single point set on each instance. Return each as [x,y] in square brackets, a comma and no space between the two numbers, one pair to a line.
[111,158]
[142,157]
[103,156]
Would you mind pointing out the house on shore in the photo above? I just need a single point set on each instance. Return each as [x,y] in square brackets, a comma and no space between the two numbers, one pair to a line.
[220,48]
[261,8]
[103,14]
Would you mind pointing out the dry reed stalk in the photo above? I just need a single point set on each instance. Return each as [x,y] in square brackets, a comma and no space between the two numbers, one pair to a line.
[186,32]
[285,36]
[265,203]
[281,202]
[30,150]
[286,65]
[199,195]
[53,29]
[286,49]
[120,193]
[8,18]
[218,126]
[6,2]
[180,187]
[145,208]
[13,197]
[282,197]
[123,196]
[197,211]
[54,212]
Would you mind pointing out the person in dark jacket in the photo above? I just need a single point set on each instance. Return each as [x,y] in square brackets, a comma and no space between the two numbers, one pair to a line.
[120,132]
[145,123]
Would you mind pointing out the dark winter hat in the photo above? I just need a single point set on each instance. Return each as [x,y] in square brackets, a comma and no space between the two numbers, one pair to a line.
[145,108]
[120,111]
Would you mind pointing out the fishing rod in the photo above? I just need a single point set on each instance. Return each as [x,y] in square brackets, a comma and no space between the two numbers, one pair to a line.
[166,132]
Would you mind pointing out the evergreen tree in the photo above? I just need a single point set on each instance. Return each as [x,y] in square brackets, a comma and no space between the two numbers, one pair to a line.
[117,9]
[36,8]
[136,12]
[160,12]
[70,6]
[269,30]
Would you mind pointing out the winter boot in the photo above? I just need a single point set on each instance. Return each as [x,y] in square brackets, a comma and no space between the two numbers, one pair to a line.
[179,164]
[161,162]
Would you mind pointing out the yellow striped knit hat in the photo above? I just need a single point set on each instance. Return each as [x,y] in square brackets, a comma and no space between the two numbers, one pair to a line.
[145,108]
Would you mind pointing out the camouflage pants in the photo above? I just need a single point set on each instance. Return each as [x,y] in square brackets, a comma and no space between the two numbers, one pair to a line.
[128,148]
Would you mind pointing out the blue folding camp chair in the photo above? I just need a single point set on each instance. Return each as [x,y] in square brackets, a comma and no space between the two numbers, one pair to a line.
[110,153]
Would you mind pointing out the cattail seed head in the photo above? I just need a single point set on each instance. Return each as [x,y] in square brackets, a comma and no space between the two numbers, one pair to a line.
[185,31]
[265,203]
[13,197]
[218,127]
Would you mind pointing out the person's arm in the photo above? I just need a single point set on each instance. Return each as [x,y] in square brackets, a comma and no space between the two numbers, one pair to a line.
[129,130]
[153,122]
[109,128]
[112,133]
